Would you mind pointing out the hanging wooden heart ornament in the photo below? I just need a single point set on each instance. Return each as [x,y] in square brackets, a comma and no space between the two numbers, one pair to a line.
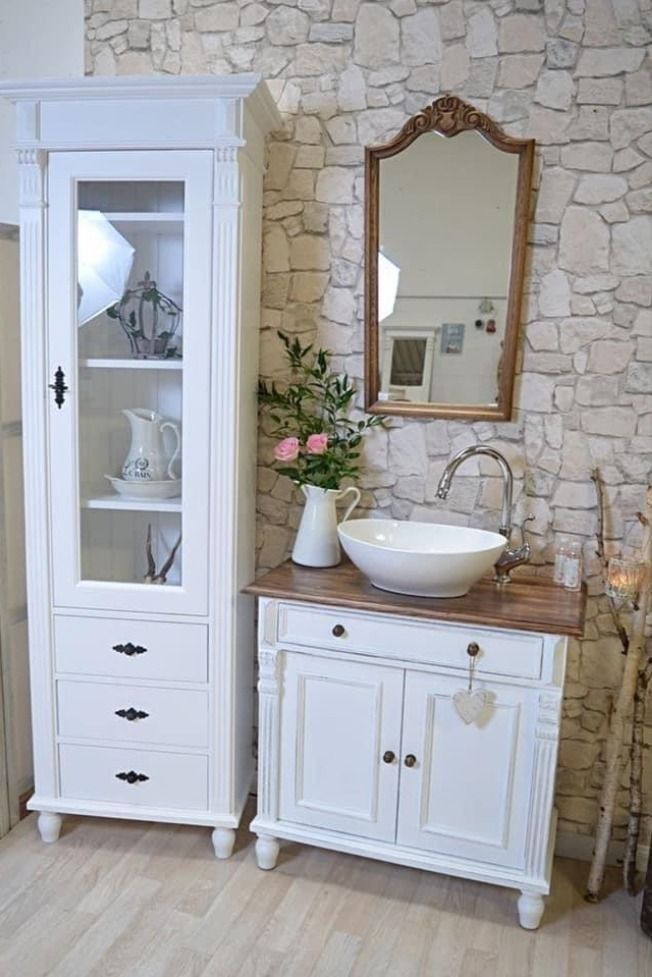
[469,705]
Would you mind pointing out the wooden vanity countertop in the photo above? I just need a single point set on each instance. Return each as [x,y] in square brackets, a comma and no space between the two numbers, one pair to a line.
[525,604]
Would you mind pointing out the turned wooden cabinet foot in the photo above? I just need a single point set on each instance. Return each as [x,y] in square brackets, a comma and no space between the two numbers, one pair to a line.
[49,826]
[267,849]
[223,841]
[530,909]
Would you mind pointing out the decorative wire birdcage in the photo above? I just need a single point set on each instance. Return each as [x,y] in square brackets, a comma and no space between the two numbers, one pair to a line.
[150,319]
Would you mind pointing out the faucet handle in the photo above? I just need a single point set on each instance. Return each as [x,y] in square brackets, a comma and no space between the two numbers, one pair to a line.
[513,556]
[524,541]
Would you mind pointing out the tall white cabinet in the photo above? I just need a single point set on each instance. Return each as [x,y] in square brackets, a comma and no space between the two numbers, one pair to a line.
[141,691]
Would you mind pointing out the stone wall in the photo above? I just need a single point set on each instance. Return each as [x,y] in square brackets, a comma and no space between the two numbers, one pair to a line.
[575,75]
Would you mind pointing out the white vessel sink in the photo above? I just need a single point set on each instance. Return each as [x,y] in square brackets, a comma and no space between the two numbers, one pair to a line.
[420,558]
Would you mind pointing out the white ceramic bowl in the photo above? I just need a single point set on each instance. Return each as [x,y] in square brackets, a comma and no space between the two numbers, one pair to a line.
[420,558]
[168,488]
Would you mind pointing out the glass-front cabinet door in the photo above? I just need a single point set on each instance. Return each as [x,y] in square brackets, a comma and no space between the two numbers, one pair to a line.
[129,350]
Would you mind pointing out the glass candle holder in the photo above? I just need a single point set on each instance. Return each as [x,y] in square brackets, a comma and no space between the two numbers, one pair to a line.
[624,579]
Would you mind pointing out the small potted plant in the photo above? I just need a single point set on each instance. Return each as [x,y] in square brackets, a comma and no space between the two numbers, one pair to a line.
[318,445]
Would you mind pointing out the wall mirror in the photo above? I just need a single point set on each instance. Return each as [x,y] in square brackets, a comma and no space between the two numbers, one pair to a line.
[446,215]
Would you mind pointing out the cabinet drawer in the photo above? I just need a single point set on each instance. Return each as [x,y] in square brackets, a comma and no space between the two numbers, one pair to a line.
[174,717]
[501,653]
[174,781]
[116,648]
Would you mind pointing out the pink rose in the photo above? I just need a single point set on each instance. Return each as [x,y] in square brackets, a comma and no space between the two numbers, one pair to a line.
[317,444]
[287,449]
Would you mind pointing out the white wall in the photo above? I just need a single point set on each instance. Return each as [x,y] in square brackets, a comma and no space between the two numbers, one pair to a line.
[38,38]
[14,671]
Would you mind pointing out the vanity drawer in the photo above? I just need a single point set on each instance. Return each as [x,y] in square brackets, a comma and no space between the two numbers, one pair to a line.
[174,717]
[173,780]
[167,652]
[501,652]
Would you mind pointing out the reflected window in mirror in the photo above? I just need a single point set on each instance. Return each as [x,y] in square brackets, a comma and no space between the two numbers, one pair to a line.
[406,369]
[446,226]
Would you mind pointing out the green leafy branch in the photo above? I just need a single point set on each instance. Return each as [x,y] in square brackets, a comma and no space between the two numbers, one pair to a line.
[317,401]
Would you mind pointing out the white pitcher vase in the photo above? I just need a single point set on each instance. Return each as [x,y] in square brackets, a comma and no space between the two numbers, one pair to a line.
[148,459]
[317,544]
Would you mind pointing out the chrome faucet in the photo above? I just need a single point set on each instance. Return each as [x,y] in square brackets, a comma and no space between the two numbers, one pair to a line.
[512,556]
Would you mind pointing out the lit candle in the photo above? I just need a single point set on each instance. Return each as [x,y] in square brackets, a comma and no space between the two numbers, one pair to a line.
[624,579]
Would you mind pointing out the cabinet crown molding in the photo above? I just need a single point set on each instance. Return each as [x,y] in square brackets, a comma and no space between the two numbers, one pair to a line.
[208,111]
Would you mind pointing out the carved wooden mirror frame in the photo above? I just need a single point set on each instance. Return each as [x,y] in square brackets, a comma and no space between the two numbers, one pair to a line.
[448,116]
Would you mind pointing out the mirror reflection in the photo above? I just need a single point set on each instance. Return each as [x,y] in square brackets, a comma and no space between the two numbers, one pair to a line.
[445,244]
[446,216]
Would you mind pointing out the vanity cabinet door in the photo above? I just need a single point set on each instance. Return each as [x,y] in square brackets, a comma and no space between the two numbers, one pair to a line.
[468,793]
[340,742]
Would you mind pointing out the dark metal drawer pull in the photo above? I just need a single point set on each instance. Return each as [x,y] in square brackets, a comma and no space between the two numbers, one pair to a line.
[131,714]
[410,760]
[338,630]
[132,777]
[473,649]
[389,756]
[129,649]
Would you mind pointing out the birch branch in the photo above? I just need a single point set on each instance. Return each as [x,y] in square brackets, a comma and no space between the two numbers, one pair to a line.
[614,751]
[646,903]
[621,630]
[635,778]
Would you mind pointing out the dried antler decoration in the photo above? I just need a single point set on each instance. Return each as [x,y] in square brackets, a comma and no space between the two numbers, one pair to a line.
[152,576]
[633,645]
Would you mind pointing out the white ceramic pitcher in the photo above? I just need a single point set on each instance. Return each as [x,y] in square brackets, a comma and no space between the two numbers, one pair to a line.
[147,460]
[317,544]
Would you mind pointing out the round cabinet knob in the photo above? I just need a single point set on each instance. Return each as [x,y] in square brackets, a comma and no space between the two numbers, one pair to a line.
[339,630]
[389,756]
[473,649]
[410,760]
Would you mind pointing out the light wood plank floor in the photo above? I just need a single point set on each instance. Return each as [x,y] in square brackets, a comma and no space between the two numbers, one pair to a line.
[125,899]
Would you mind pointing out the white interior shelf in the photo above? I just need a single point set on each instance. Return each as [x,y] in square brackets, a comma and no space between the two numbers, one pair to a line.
[132,505]
[117,363]
[146,217]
